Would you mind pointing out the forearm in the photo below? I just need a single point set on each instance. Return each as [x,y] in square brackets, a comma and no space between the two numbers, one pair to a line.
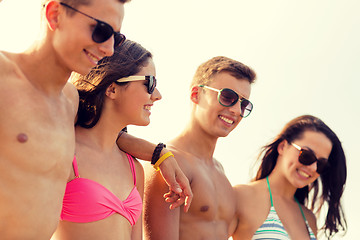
[170,170]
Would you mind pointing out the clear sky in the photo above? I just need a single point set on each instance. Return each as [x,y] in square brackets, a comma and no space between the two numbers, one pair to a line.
[306,55]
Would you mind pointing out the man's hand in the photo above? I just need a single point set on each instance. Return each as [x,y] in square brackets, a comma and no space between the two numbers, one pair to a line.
[169,169]
[179,186]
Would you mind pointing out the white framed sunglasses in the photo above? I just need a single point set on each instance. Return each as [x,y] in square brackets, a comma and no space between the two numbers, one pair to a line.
[150,84]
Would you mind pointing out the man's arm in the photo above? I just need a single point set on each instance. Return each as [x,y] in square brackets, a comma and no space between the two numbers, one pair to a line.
[175,179]
[160,223]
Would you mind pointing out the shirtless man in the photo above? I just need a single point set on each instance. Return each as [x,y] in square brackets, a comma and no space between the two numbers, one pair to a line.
[214,114]
[38,107]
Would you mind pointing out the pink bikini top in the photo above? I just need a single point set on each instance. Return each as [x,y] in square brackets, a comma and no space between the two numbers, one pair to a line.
[86,200]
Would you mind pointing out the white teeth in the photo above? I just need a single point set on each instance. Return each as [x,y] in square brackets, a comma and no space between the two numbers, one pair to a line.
[303,174]
[226,120]
[147,107]
[93,58]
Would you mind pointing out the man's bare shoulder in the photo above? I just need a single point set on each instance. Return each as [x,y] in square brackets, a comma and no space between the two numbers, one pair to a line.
[219,165]
[187,162]
[8,66]
[183,157]
[72,95]
[6,57]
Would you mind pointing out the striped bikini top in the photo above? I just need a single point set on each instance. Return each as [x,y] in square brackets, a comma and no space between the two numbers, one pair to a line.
[273,228]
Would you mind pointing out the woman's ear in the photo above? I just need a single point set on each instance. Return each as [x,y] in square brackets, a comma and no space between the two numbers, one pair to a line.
[110,91]
[281,147]
[52,12]
[195,94]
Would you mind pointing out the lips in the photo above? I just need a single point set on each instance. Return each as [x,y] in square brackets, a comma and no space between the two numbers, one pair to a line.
[93,59]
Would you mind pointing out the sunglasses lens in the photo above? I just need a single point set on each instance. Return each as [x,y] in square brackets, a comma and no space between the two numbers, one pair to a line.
[151,84]
[102,32]
[306,157]
[228,97]
[118,39]
[246,107]
[321,165]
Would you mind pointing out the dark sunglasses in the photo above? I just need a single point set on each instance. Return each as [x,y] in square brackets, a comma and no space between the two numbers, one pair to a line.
[307,157]
[228,97]
[102,31]
[150,84]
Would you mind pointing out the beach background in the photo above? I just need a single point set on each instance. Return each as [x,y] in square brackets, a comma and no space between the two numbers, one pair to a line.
[306,55]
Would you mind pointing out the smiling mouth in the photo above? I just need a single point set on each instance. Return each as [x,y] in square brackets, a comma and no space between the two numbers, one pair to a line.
[227,120]
[92,57]
[303,174]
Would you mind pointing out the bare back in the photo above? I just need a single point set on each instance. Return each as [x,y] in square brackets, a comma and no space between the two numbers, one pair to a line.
[36,149]
[212,210]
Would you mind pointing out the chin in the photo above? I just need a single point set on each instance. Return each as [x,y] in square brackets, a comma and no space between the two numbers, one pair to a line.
[223,134]
[144,123]
[84,71]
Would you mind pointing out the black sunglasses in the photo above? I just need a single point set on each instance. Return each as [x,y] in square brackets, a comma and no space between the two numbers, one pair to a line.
[228,97]
[150,84]
[102,31]
[307,157]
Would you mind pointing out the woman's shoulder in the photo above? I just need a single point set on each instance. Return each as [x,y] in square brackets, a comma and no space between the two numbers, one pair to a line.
[253,203]
[137,164]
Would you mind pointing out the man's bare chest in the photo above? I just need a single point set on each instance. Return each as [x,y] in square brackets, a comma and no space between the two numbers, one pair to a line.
[35,130]
[213,196]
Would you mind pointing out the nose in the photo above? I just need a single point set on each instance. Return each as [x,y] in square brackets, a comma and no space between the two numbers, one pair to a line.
[156,95]
[107,47]
[235,109]
[313,166]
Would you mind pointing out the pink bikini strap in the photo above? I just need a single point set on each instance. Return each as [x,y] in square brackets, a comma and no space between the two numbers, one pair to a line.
[132,166]
[75,166]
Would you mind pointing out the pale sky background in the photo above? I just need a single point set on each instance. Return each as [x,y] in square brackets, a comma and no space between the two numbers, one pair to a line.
[306,55]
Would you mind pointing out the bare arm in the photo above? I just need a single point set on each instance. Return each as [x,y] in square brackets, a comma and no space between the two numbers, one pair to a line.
[175,179]
[243,227]
[160,223]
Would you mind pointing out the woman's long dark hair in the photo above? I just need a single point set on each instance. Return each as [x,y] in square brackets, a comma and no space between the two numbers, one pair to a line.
[127,60]
[332,181]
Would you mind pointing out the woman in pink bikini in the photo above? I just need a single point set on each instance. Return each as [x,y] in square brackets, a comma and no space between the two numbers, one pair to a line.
[103,198]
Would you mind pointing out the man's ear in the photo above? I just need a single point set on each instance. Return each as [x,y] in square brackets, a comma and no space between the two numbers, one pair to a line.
[52,14]
[195,94]
[110,91]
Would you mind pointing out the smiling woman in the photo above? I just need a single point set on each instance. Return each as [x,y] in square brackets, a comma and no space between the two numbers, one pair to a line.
[107,106]
[305,157]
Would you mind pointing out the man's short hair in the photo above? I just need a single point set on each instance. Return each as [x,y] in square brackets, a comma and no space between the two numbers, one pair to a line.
[76,3]
[206,71]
